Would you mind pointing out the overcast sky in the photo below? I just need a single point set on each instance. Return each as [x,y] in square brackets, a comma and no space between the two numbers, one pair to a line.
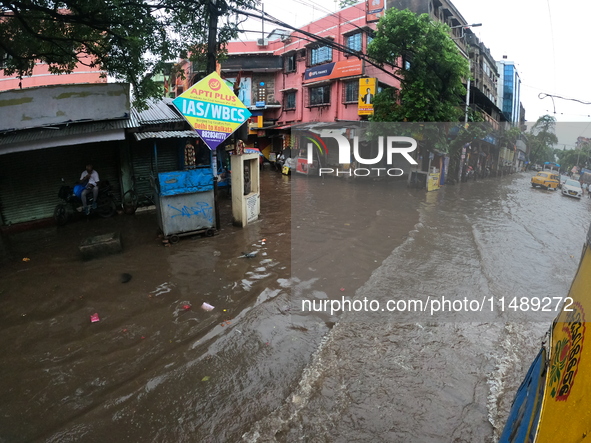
[547,39]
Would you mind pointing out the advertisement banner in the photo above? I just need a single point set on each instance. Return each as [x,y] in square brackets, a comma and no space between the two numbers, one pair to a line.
[367,92]
[433,182]
[212,109]
[328,71]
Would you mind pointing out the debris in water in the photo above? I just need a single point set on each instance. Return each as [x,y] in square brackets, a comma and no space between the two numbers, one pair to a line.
[342,289]
[94,318]
[249,254]
[125,277]
[206,307]
[26,259]
[205,378]
[186,307]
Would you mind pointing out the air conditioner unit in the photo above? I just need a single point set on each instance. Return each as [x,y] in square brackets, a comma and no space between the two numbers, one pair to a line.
[262,42]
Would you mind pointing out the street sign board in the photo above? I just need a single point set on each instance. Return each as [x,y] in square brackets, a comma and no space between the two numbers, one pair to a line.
[212,109]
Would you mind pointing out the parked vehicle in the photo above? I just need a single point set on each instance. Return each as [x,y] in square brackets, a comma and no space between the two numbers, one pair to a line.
[545,180]
[563,178]
[572,188]
[72,202]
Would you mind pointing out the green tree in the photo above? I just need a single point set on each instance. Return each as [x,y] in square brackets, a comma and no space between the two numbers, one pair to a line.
[542,139]
[347,3]
[428,63]
[129,40]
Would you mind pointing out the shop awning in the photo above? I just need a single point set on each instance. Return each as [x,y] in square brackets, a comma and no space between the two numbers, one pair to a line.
[164,134]
[64,135]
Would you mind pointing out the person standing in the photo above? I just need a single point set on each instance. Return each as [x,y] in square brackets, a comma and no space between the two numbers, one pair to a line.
[89,178]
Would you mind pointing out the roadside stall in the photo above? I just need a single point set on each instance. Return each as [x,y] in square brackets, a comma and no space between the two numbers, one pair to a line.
[185,199]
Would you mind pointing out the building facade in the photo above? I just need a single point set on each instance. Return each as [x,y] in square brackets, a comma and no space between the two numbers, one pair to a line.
[509,92]
[83,73]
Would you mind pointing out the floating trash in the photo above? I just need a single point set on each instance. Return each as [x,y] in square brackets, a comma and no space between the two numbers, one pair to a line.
[207,307]
[94,318]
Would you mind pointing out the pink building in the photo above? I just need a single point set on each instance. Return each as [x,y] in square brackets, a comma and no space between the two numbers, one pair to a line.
[288,79]
[42,77]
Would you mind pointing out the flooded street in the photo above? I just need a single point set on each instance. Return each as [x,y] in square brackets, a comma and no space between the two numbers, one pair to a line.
[259,367]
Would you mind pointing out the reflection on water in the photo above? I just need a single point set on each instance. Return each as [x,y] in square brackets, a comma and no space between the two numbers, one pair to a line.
[157,367]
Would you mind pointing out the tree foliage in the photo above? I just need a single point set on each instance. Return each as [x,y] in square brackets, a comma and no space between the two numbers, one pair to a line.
[129,40]
[542,139]
[428,63]
[579,156]
[347,3]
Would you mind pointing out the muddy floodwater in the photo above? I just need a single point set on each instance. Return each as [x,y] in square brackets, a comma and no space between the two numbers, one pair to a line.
[260,367]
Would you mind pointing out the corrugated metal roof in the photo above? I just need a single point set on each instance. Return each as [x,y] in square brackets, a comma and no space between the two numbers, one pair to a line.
[165,134]
[158,112]
[54,132]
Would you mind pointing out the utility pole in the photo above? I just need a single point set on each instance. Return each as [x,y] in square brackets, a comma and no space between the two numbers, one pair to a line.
[212,43]
[468,90]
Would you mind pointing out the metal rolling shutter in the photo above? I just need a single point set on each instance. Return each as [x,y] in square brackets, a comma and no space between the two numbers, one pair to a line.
[144,163]
[30,181]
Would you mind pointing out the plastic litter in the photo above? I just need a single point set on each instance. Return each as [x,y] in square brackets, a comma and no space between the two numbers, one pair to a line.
[207,307]
[26,259]
[94,318]
[186,307]
[205,378]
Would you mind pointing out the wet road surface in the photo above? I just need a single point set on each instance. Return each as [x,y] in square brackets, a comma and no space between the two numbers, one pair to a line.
[257,367]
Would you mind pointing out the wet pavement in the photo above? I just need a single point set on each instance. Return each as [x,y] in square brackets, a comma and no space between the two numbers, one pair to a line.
[257,367]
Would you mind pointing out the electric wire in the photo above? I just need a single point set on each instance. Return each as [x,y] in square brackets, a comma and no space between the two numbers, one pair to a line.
[325,41]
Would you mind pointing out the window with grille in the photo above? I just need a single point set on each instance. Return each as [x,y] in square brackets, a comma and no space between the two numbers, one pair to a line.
[290,62]
[320,95]
[290,100]
[351,92]
[321,54]
[353,41]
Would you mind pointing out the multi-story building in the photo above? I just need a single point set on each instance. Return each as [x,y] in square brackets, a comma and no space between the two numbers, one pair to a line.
[292,79]
[509,91]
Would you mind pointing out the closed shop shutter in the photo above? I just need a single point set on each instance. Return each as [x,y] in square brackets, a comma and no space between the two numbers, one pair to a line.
[30,181]
[144,164]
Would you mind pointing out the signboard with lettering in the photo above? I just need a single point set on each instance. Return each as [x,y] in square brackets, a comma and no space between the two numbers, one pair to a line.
[374,10]
[343,68]
[367,92]
[212,109]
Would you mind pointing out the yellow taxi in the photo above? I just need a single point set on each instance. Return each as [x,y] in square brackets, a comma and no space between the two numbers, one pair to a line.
[546,180]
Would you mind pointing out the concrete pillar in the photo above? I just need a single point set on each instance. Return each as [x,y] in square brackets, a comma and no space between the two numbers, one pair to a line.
[246,202]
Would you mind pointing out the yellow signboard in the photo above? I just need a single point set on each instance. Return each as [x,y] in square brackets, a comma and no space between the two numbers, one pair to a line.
[566,408]
[212,109]
[433,181]
[367,92]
